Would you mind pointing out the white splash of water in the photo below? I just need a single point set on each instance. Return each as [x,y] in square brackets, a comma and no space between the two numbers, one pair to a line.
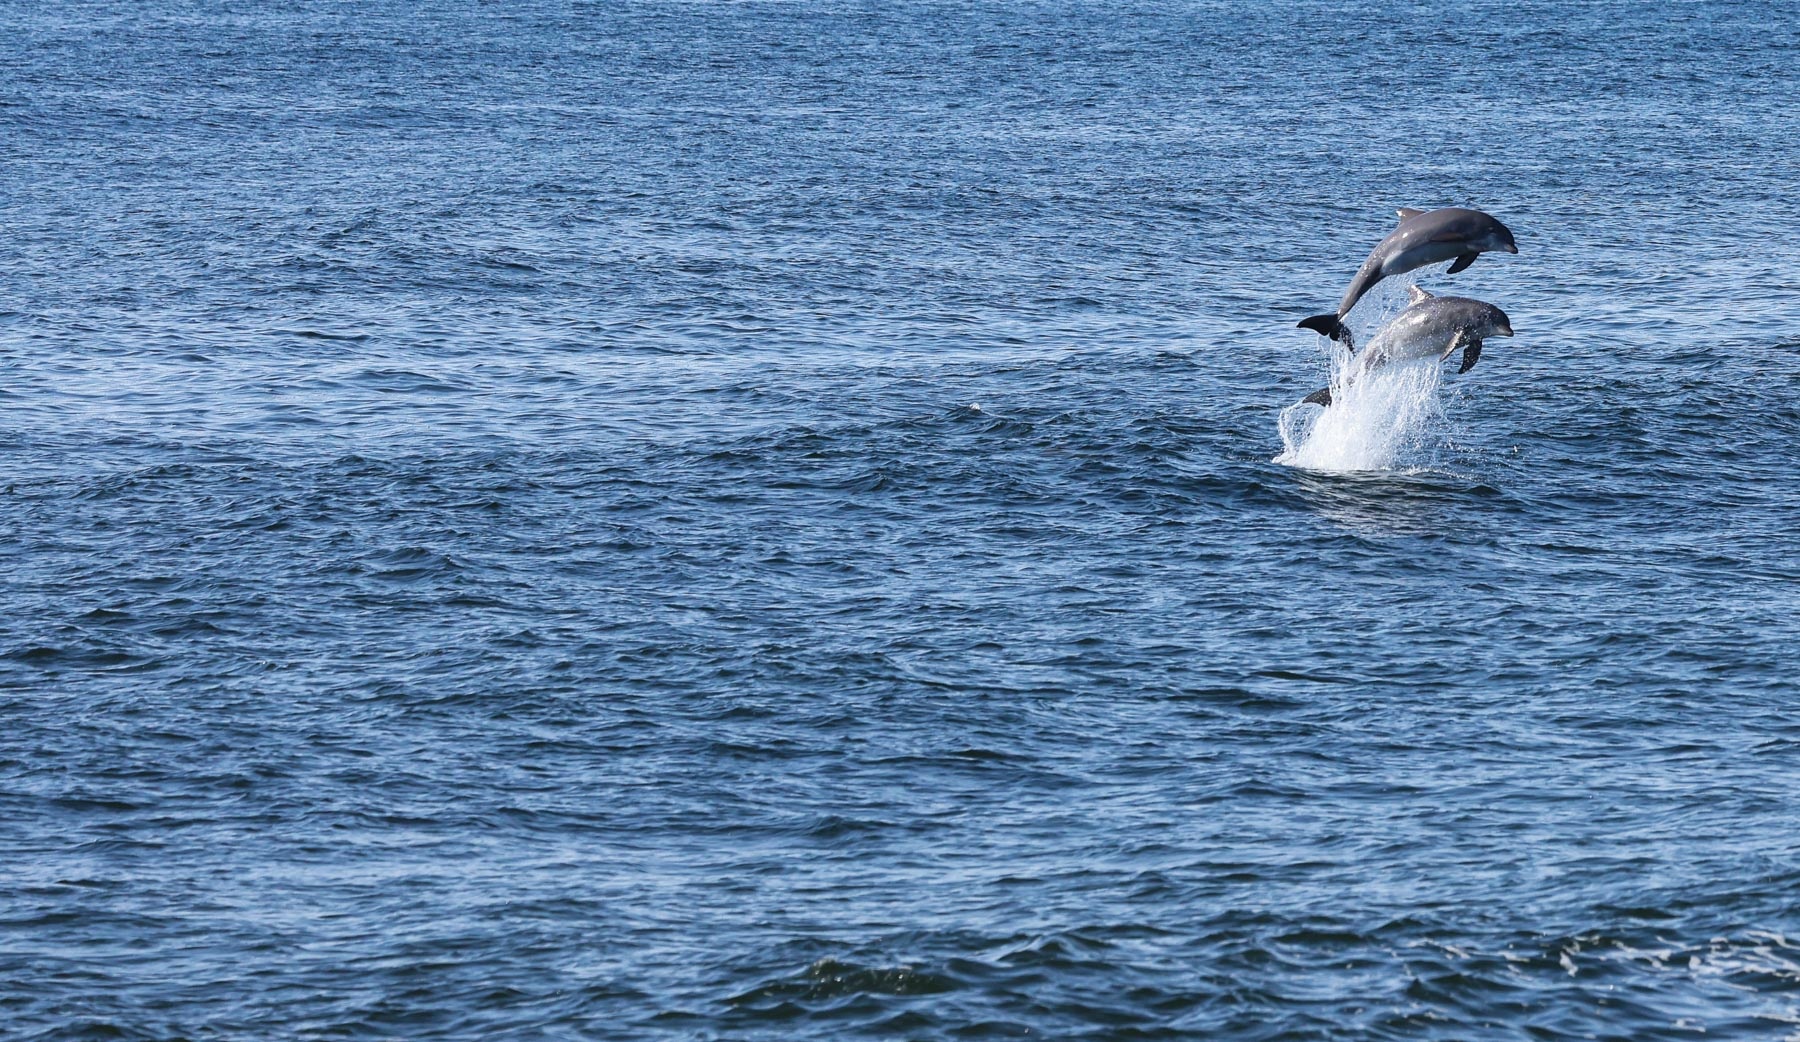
[1374,420]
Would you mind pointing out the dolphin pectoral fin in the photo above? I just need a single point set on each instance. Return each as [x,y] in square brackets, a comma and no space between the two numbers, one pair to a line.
[1322,396]
[1471,355]
[1328,325]
[1462,262]
[1407,213]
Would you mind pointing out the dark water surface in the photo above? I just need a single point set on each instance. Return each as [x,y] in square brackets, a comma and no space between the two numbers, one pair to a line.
[756,521]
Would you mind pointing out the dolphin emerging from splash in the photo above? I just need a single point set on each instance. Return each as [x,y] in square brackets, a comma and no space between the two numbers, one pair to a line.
[1423,237]
[1431,325]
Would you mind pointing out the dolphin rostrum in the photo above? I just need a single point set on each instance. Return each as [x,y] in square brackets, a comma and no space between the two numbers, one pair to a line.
[1430,326]
[1422,237]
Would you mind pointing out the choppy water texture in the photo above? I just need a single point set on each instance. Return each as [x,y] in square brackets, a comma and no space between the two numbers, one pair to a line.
[759,521]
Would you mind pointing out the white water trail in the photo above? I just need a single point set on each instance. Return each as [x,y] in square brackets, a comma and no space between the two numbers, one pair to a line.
[1373,421]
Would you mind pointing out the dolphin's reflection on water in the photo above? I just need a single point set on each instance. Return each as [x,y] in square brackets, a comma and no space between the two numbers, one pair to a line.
[1405,503]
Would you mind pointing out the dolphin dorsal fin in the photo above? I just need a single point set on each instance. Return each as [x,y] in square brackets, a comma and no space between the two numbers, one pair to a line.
[1417,294]
[1407,213]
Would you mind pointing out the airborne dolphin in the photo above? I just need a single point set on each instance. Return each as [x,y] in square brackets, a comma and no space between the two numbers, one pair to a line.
[1430,326]
[1423,237]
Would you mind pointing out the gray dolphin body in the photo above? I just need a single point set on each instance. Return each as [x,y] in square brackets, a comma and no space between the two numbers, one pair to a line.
[1422,237]
[1429,326]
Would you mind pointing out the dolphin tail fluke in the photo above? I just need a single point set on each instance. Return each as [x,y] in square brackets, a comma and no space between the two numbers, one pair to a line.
[1328,325]
[1322,396]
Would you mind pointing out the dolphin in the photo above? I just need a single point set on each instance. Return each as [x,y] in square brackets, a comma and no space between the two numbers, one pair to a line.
[1430,325]
[1422,237]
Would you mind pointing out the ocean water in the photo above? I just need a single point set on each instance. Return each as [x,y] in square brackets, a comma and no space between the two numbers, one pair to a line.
[761,521]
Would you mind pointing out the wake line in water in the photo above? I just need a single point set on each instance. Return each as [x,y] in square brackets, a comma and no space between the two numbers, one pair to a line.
[1372,421]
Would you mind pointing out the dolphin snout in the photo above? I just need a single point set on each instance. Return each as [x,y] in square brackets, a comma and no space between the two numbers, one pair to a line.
[1505,329]
[1510,248]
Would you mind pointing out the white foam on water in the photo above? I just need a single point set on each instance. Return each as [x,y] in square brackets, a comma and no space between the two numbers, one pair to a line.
[1375,421]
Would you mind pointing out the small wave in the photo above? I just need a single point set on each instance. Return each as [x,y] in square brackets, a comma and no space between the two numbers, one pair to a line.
[324,334]
[830,979]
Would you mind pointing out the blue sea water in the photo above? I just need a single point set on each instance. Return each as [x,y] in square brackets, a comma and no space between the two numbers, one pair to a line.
[683,520]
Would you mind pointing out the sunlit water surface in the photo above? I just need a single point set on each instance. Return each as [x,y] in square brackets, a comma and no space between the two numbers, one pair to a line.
[763,521]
